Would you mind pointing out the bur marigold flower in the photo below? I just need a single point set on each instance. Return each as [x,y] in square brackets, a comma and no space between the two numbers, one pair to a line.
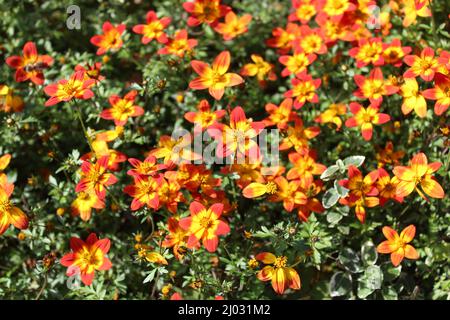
[65,90]
[260,68]
[362,191]
[298,137]
[176,239]
[175,151]
[204,225]
[10,214]
[412,9]
[388,155]
[280,115]
[304,89]
[9,102]
[233,25]
[144,191]
[387,187]
[95,178]
[419,172]
[87,257]
[205,117]
[335,9]
[304,11]
[179,45]
[369,51]
[424,65]
[277,271]
[374,87]
[305,166]
[413,98]
[30,65]
[101,149]
[440,93]
[4,161]
[153,29]
[296,63]
[283,38]
[394,53]
[331,115]
[111,39]
[310,41]
[365,118]
[398,246]
[237,139]
[148,167]
[91,71]
[311,188]
[122,108]
[205,11]
[215,78]
[169,195]
[84,203]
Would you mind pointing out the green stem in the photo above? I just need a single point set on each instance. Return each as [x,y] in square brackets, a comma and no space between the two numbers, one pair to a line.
[86,135]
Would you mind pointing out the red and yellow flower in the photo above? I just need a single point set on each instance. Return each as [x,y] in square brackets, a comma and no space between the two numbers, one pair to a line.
[369,51]
[387,187]
[148,167]
[122,108]
[87,257]
[95,178]
[175,150]
[205,11]
[144,191]
[30,65]
[424,65]
[84,203]
[304,89]
[233,25]
[179,45]
[419,172]
[388,155]
[205,117]
[374,87]
[153,29]
[304,11]
[296,63]
[176,239]
[239,138]
[440,93]
[398,245]
[215,78]
[204,225]
[365,118]
[394,53]
[65,90]
[280,115]
[111,39]
[10,214]
[278,272]
[283,38]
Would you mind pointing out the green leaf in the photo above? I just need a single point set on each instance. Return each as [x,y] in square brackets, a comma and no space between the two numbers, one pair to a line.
[330,198]
[329,172]
[354,160]
[340,284]
[389,293]
[363,290]
[334,217]
[350,260]
[369,253]
[373,277]
[390,272]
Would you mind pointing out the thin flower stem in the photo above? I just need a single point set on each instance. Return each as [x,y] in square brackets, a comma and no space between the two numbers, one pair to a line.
[86,135]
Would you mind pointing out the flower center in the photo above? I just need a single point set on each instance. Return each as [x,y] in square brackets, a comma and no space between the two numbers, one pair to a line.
[280,262]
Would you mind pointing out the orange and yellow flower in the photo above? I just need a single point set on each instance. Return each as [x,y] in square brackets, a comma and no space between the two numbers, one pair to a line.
[298,137]
[398,246]
[9,102]
[260,68]
[215,78]
[304,89]
[296,63]
[394,53]
[84,203]
[176,239]
[144,191]
[305,166]
[95,178]
[87,257]
[65,90]
[374,87]
[280,115]
[205,11]
[414,8]
[111,39]
[204,225]
[369,51]
[122,108]
[388,155]
[331,115]
[175,150]
[148,167]
[365,118]
[424,65]
[205,117]
[10,214]
[419,172]
[233,25]
[153,29]
[30,65]
[387,187]
[179,45]
[440,93]
[413,99]
[304,11]
[277,271]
